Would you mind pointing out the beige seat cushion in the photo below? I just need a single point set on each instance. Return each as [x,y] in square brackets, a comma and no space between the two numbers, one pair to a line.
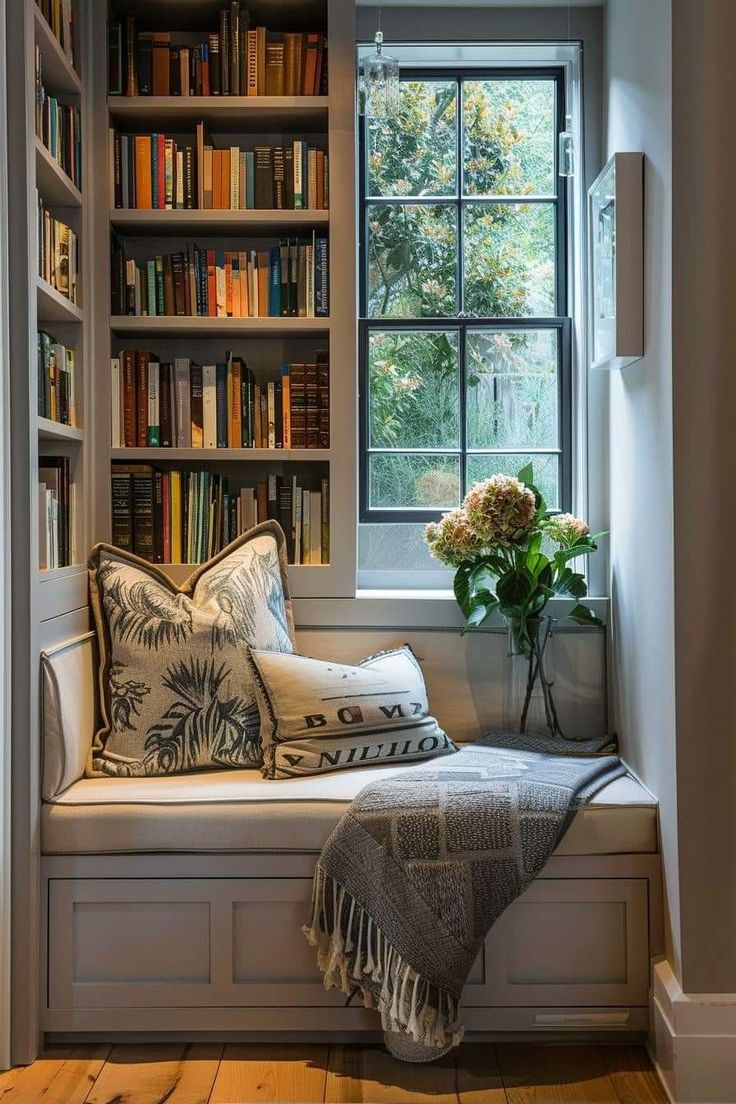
[241,811]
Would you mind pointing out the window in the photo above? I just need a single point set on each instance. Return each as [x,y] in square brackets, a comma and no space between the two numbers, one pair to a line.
[465,343]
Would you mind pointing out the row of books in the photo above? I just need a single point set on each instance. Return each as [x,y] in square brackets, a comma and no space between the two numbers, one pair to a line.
[59,127]
[58,253]
[236,59]
[56,371]
[56,513]
[290,280]
[152,172]
[188,405]
[190,516]
[59,16]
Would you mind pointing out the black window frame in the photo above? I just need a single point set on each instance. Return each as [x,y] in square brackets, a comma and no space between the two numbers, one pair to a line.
[462,324]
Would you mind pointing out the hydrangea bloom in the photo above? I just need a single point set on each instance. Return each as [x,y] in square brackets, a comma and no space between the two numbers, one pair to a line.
[500,510]
[451,540]
[566,530]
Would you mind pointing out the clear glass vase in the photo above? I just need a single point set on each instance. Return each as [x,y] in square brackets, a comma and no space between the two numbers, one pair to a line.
[529,705]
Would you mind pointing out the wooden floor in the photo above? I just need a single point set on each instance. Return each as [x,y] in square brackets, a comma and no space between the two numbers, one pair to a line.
[201,1073]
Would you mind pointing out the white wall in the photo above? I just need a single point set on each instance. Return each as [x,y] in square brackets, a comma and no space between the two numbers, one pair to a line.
[638,117]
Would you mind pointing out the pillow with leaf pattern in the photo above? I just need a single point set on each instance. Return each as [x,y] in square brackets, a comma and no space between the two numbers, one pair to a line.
[176,689]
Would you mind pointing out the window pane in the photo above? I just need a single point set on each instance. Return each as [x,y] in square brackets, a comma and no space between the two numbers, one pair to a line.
[512,396]
[510,136]
[399,547]
[546,471]
[411,261]
[414,482]
[414,389]
[414,154]
[509,260]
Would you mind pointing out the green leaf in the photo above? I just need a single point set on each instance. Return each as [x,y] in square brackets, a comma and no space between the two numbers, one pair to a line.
[481,576]
[526,475]
[581,615]
[482,607]
[570,582]
[461,588]
[562,556]
[513,588]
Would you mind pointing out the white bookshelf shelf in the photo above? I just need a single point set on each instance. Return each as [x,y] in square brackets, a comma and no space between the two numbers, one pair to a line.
[179,325]
[177,222]
[51,306]
[222,455]
[297,572]
[49,430]
[54,185]
[288,114]
[58,73]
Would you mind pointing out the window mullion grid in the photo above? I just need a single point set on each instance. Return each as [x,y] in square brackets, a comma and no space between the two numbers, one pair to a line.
[463,326]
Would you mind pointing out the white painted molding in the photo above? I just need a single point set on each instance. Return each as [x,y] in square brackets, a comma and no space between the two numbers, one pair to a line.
[693,1041]
[5,530]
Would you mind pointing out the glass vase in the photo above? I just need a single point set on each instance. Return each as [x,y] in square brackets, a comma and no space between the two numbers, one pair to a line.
[529,705]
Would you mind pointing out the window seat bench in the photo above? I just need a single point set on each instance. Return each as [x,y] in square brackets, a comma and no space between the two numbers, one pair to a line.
[175,905]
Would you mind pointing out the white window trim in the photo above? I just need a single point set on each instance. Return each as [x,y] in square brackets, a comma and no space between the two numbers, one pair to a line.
[588,457]
[5,651]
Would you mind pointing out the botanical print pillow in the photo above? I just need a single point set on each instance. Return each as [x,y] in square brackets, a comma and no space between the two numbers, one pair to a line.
[175,683]
[320,716]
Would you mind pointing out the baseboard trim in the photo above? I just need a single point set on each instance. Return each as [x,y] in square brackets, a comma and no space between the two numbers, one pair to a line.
[693,1041]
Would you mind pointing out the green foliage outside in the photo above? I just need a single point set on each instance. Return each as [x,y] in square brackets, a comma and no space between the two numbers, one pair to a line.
[507,270]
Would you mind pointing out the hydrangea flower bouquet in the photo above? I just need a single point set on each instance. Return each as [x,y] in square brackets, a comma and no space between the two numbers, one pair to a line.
[511,555]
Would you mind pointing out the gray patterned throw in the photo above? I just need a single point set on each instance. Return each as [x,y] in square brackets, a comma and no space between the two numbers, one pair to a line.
[422,864]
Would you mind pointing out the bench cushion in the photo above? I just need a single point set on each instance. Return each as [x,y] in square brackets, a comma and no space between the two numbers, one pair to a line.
[241,811]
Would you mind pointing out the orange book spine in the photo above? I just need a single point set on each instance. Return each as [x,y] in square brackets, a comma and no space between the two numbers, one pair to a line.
[143,182]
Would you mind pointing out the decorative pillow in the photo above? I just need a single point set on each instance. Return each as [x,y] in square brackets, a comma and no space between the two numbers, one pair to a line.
[175,685]
[318,716]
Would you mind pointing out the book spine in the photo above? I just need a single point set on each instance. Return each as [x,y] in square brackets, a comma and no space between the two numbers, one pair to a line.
[153,435]
[221,405]
[165,405]
[197,406]
[122,509]
[209,406]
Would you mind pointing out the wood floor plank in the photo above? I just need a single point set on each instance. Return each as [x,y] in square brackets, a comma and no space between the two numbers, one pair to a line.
[27,1084]
[280,1073]
[149,1074]
[370,1074]
[478,1075]
[554,1075]
[633,1075]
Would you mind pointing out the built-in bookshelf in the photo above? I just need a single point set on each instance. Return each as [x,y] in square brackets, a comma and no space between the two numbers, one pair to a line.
[48,114]
[150,222]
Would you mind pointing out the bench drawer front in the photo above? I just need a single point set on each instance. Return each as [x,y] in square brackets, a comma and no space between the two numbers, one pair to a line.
[570,942]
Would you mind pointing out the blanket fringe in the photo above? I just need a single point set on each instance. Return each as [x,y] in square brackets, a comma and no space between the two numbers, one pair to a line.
[353,952]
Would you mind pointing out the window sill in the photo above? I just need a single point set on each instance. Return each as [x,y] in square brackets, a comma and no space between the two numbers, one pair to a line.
[411,609]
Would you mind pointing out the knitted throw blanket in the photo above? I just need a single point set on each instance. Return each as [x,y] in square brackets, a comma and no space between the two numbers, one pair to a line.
[419,868]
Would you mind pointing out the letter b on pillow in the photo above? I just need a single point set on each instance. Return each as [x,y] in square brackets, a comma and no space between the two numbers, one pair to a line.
[318,716]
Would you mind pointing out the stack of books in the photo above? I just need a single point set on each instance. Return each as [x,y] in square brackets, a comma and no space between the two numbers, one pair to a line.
[188,405]
[153,172]
[56,369]
[234,59]
[59,127]
[58,257]
[189,516]
[290,280]
[56,513]
[58,15]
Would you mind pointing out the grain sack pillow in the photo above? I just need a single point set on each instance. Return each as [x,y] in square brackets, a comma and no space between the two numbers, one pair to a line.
[318,716]
[176,690]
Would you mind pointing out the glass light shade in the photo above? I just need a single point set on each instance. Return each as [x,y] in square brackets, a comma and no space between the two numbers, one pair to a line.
[378,88]
[566,149]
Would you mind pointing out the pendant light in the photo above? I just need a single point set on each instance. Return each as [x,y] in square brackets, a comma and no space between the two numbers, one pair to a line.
[378,82]
[566,138]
